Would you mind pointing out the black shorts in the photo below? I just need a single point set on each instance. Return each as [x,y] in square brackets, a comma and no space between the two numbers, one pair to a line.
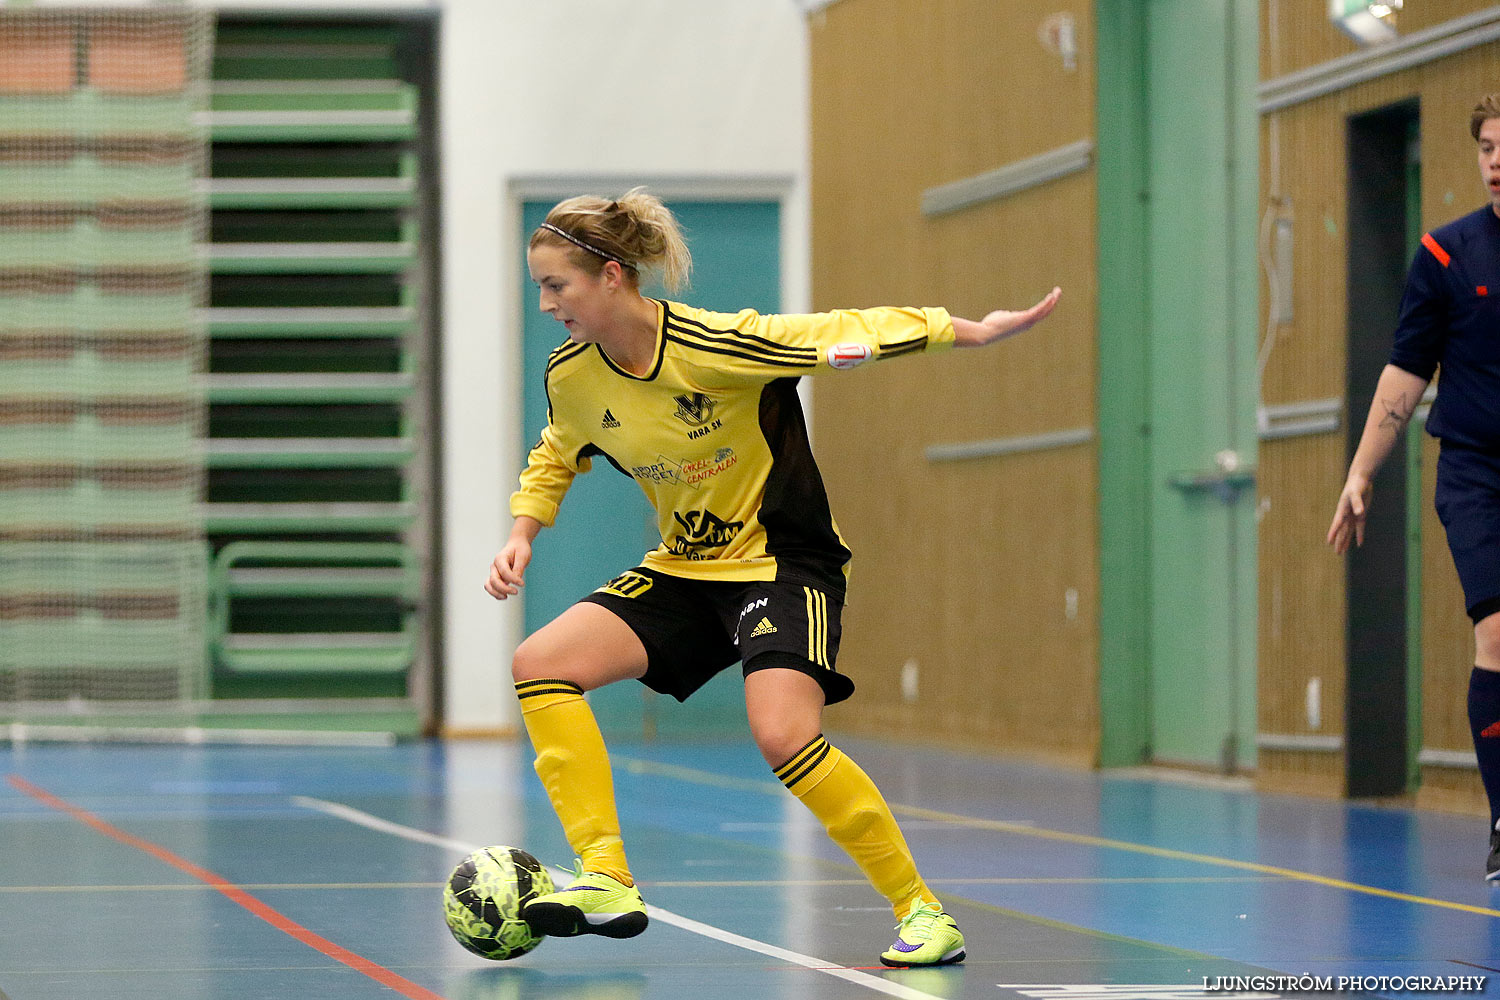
[1468,504]
[692,629]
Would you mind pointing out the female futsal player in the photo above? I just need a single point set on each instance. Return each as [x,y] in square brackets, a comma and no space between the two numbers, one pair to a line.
[1450,317]
[701,409]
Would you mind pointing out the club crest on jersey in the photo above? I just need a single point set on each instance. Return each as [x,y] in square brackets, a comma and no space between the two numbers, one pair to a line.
[846,356]
[695,410]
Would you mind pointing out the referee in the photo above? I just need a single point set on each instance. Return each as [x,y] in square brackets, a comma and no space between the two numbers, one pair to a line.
[1450,319]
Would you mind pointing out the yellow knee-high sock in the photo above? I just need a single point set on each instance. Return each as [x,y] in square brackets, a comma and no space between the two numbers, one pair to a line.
[851,808]
[574,768]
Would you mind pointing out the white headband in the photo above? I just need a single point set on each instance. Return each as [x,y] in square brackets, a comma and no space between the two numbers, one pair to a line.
[579,243]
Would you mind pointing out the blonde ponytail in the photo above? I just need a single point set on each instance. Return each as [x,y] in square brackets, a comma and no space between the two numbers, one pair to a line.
[637,230]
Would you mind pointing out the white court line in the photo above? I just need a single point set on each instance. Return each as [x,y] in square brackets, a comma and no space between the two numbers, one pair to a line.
[854,976]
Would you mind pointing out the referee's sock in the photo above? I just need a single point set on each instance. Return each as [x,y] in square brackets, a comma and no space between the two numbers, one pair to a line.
[1484,723]
[574,768]
[851,808]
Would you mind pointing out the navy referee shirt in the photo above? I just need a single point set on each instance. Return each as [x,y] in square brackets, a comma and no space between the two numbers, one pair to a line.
[1450,317]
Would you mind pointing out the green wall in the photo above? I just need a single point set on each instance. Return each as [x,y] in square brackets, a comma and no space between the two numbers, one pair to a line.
[1177,169]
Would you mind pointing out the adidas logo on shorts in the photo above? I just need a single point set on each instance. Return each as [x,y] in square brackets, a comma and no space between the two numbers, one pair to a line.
[763,628]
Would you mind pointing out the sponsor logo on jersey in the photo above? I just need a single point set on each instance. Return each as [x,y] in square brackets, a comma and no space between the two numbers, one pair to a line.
[628,584]
[696,471]
[846,356]
[687,471]
[702,530]
[664,471]
[609,422]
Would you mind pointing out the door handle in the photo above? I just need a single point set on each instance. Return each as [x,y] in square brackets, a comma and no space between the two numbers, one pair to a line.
[1225,481]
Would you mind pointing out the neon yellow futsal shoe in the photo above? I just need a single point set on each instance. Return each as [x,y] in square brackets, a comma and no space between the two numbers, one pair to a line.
[591,904]
[925,936]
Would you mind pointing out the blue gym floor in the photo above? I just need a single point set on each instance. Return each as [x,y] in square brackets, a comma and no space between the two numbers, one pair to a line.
[157,873]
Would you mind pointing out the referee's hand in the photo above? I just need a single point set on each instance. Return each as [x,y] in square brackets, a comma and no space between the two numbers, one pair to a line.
[1349,516]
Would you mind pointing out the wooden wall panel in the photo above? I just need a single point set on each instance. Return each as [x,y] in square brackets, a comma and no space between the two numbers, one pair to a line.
[1301,773]
[1301,587]
[979,602]
[1296,34]
[1304,177]
[962,567]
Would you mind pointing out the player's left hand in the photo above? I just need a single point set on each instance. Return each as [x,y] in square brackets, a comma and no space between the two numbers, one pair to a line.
[1004,323]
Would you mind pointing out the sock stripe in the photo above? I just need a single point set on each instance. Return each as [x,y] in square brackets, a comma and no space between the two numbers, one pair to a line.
[531,689]
[792,760]
[804,762]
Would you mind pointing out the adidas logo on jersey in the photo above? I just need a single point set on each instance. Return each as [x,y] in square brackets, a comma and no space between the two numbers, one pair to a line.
[764,628]
[609,422]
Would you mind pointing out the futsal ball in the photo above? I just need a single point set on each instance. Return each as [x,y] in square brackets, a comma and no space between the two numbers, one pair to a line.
[483,899]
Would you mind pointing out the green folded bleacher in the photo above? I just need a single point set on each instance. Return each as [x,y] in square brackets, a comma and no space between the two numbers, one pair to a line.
[315,506]
[212,459]
[384,579]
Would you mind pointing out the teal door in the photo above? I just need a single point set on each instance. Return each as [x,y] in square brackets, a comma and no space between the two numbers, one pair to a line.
[605,525]
[1178,148]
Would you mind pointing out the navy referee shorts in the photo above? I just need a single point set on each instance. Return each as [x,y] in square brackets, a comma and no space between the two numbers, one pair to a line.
[1468,504]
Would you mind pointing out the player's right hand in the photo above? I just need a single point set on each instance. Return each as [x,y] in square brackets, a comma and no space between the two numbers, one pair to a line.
[1349,515]
[508,570]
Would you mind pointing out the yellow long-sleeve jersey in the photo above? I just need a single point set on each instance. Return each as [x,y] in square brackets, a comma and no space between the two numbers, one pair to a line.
[714,434]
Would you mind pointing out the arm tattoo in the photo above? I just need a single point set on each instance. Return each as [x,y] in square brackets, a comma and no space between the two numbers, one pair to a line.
[1397,412]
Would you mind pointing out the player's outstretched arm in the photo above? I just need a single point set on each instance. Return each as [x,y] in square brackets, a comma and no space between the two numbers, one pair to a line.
[1002,323]
[1396,397]
[508,570]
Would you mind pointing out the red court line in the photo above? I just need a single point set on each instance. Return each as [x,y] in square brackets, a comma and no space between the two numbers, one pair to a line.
[283,923]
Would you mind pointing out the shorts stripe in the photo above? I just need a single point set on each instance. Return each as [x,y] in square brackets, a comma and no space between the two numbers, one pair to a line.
[817,626]
[822,629]
[811,631]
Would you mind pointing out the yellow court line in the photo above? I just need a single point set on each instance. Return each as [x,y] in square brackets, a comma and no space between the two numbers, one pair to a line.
[1002,826]
[1026,830]
[756,883]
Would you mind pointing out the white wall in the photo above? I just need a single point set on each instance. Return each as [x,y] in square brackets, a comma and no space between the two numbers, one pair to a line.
[650,90]
[558,96]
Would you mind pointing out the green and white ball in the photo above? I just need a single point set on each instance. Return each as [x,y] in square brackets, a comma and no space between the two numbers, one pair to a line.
[483,899]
